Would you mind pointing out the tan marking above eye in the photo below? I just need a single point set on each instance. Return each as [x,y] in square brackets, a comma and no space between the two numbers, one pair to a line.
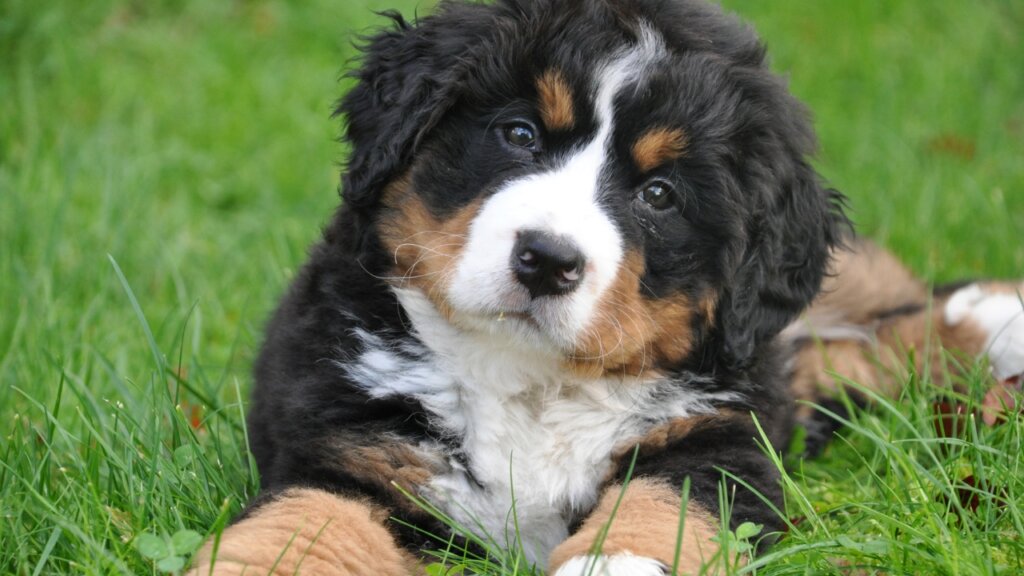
[658,146]
[556,106]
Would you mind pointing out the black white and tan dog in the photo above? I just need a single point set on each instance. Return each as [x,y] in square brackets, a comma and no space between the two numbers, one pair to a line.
[570,231]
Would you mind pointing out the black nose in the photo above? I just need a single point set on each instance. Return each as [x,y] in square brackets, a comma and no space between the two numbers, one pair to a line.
[546,264]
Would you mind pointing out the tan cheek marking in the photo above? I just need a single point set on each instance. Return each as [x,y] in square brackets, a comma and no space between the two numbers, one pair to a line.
[423,248]
[645,524]
[309,532]
[556,107]
[630,333]
[658,146]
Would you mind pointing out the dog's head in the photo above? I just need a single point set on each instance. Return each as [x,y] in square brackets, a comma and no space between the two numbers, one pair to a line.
[621,180]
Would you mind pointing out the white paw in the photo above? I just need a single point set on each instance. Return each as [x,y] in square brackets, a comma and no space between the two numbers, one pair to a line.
[1001,315]
[622,564]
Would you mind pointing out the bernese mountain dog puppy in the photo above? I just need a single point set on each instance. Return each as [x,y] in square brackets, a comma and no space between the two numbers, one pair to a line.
[575,242]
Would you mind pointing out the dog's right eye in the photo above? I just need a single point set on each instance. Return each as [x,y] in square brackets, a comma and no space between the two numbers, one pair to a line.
[521,135]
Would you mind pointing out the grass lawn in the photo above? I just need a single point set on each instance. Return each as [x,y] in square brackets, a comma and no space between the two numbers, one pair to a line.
[164,164]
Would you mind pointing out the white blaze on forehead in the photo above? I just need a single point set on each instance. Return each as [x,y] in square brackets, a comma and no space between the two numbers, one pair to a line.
[563,202]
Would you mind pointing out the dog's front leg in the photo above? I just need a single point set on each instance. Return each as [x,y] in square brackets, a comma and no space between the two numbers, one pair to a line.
[305,531]
[640,524]
[641,538]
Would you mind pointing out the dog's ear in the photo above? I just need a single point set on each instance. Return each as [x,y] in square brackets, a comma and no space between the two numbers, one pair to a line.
[406,83]
[791,233]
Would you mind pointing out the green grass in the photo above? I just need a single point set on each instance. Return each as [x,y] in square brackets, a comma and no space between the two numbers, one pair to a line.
[163,166]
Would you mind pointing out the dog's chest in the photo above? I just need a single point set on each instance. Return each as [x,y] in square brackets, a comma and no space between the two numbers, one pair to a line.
[531,456]
[517,432]
[526,445]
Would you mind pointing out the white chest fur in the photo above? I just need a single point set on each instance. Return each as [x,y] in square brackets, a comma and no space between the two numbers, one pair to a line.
[527,430]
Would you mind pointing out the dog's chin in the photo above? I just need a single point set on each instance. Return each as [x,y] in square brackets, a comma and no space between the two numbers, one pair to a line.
[520,328]
[545,324]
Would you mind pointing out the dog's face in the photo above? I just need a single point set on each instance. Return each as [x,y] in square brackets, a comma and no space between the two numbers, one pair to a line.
[591,177]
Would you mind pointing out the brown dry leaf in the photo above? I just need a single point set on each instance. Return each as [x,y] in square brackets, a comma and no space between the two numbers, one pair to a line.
[953,145]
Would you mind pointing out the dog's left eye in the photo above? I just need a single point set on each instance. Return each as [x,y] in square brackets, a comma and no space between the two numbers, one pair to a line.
[521,135]
[657,195]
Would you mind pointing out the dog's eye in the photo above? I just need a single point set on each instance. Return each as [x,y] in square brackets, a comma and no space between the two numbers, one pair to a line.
[521,135]
[657,195]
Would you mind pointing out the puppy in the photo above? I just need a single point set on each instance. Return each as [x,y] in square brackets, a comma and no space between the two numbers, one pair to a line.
[574,242]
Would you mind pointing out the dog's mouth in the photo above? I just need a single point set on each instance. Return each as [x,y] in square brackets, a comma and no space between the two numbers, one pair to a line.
[511,316]
[546,323]
[518,321]
[530,314]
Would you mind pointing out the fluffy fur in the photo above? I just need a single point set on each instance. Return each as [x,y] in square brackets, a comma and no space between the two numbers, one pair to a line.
[571,231]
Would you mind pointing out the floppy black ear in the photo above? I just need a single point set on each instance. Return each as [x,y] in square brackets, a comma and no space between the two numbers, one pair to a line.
[407,81]
[790,238]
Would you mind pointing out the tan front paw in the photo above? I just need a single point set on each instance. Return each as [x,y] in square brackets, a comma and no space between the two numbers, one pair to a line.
[642,534]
